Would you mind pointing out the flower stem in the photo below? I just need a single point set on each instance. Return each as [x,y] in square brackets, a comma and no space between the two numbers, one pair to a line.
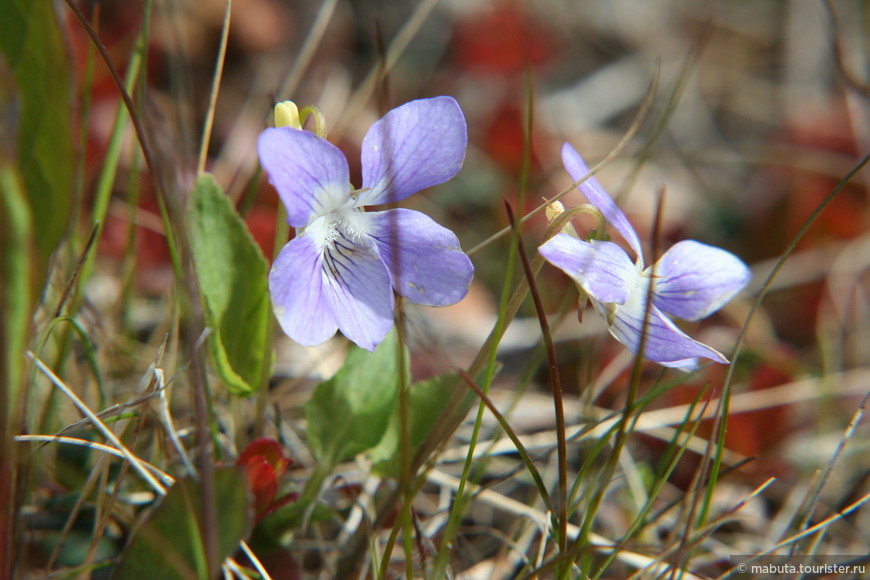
[556,383]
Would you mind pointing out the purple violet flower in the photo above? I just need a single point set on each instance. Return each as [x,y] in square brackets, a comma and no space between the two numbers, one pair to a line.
[690,281]
[340,270]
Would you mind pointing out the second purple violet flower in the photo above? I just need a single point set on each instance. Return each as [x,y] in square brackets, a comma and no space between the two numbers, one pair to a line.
[690,281]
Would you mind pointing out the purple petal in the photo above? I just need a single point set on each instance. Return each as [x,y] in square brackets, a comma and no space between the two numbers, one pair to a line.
[602,269]
[310,174]
[298,300]
[665,343]
[417,145]
[424,259]
[693,280]
[357,287]
[319,287]
[596,195]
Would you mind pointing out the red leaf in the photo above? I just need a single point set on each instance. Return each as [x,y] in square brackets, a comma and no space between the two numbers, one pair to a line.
[262,481]
[269,450]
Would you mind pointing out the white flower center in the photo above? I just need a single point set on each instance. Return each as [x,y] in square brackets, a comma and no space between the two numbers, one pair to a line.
[346,225]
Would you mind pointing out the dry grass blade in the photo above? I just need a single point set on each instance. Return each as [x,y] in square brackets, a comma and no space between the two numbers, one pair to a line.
[135,462]
[215,87]
[629,134]
[167,479]
[541,520]
[821,526]
[382,69]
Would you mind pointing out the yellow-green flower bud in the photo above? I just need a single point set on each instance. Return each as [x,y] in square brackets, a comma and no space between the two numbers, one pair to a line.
[287,115]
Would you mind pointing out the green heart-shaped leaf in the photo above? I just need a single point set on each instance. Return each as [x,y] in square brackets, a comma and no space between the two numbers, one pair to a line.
[233,280]
[348,414]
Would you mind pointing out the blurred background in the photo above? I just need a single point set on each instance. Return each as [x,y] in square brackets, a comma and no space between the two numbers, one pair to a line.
[756,111]
[759,108]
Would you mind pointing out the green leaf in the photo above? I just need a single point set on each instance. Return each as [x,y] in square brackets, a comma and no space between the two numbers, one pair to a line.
[32,46]
[76,546]
[289,517]
[348,414]
[169,544]
[427,402]
[16,292]
[233,280]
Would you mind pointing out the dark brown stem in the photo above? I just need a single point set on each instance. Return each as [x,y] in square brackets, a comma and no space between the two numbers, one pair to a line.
[555,382]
